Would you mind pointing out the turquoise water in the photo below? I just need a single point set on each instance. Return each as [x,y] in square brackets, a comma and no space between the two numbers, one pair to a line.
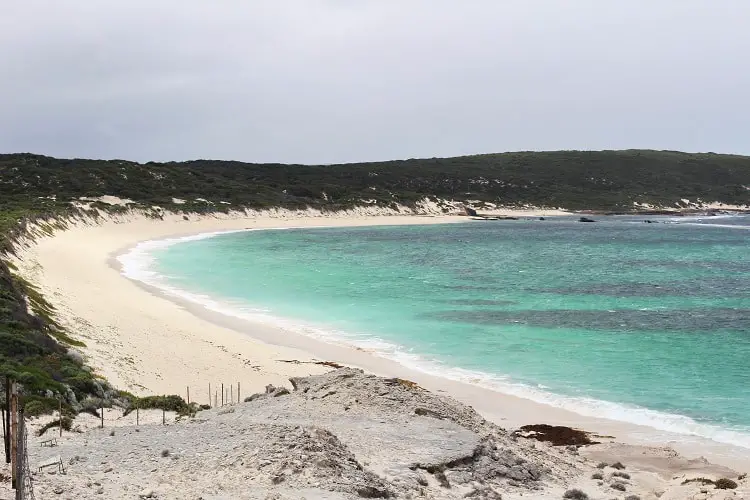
[648,323]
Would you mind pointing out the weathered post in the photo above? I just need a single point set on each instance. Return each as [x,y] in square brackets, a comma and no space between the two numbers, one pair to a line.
[13,434]
[216,399]
[6,420]
[222,394]
[239,400]
[163,416]
[102,413]
[188,395]
[5,436]
[20,456]
[231,392]
[60,416]
[137,416]
[209,394]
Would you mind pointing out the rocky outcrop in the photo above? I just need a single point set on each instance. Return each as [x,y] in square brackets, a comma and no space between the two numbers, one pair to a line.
[344,434]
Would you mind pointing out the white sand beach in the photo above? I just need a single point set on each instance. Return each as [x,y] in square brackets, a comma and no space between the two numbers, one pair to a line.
[148,343]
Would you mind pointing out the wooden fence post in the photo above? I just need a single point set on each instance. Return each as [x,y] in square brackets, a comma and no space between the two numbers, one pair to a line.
[60,416]
[5,436]
[188,395]
[239,400]
[102,410]
[6,421]
[231,392]
[222,394]
[13,434]
[163,416]
[209,394]
[20,453]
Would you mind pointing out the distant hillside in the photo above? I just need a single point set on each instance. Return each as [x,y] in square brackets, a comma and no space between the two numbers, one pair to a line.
[33,349]
[602,180]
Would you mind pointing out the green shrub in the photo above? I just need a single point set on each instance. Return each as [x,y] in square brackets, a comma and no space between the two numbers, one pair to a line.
[35,406]
[67,423]
[167,403]
[618,485]
[575,494]
[702,480]
[725,484]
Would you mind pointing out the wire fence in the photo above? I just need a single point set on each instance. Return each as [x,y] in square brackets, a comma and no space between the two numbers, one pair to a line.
[16,437]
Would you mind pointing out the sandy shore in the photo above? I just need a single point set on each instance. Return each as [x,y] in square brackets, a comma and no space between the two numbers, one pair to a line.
[146,342]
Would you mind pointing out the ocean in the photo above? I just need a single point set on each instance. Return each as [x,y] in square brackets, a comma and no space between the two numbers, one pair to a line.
[620,319]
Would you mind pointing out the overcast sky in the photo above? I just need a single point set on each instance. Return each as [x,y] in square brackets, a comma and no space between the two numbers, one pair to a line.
[324,81]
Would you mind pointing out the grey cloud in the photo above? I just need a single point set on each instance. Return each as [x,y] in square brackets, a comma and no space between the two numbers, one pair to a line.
[318,81]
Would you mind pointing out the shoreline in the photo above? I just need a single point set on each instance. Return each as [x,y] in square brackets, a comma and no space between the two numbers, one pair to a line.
[256,347]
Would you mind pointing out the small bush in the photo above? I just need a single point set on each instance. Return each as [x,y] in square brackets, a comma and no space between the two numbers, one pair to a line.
[602,465]
[597,475]
[111,433]
[67,423]
[701,480]
[575,494]
[164,453]
[617,465]
[623,475]
[36,406]
[167,403]
[725,484]
[618,485]
[91,406]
